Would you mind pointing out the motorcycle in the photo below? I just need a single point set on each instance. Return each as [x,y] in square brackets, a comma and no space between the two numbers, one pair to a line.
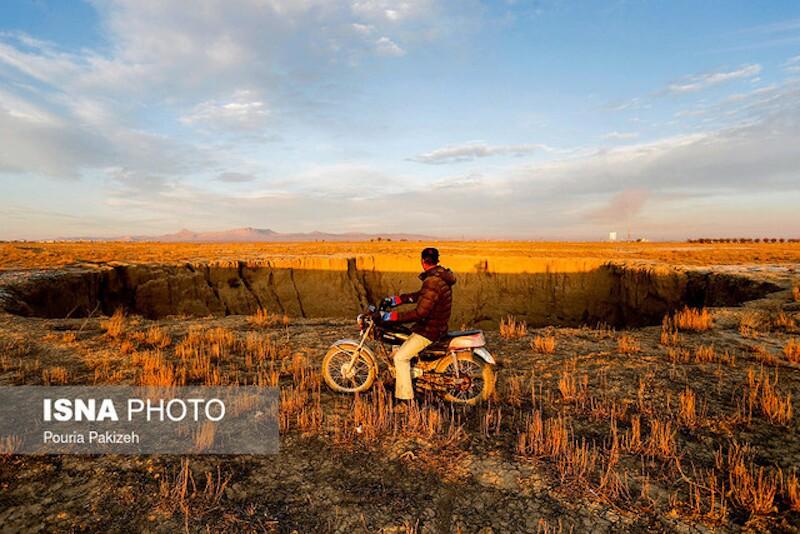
[456,368]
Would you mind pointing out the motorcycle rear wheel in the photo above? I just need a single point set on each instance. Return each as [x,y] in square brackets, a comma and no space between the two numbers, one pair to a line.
[481,374]
[342,379]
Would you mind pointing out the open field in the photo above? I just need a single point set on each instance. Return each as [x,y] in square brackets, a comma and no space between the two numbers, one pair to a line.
[48,255]
[686,422]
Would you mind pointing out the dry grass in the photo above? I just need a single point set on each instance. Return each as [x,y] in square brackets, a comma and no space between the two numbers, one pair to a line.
[792,491]
[688,407]
[23,256]
[154,336]
[69,337]
[661,442]
[10,445]
[762,396]
[669,332]
[114,325]
[544,344]
[751,324]
[180,492]
[692,320]
[55,376]
[784,322]
[678,355]
[264,318]
[372,419]
[705,354]
[763,355]
[750,488]
[628,344]
[511,328]
[792,351]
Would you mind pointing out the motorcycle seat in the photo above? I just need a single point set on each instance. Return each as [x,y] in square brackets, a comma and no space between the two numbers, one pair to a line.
[459,339]
[459,333]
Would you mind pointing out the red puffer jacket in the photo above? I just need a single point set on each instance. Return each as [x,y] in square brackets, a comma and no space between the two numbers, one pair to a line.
[434,302]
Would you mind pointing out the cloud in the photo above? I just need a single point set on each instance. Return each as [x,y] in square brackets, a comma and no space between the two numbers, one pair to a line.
[710,79]
[235,177]
[386,47]
[243,111]
[621,136]
[631,104]
[472,151]
[113,110]
[391,10]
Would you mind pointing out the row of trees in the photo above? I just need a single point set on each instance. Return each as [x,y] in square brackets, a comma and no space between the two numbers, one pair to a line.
[744,240]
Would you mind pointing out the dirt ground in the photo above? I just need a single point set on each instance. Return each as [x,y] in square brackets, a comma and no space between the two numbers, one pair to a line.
[650,429]
[21,255]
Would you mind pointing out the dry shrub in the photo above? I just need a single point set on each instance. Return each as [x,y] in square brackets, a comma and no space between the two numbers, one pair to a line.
[705,354]
[10,444]
[544,344]
[114,325]
[577,461]
[792,351]
[792,491]
[154,370]
[600,331]
[669,332]
[796,293]
[763,355]
[203,352]
[728,359]
[751,489]
[661,442]
[567,385]
[55,375]
[679,355]
[127,347]
[750,324]
[761,394]
[688,407]
[69,337]
[372,419]
[262,318]
[510,328]
[548,437]
[156,337]
[628,344]
[204,437]
[707,496]
[784,322]
[179,492]
[514,390]
[692,319]
[632,439]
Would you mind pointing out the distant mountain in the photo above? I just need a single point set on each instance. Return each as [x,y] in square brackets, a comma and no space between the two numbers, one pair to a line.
[255,235]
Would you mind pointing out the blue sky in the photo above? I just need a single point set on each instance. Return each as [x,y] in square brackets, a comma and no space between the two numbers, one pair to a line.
[508,119]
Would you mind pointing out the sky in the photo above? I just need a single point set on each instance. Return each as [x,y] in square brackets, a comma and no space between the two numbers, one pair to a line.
[541,119]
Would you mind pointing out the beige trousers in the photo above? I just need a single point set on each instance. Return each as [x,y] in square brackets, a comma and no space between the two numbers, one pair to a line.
[402,365]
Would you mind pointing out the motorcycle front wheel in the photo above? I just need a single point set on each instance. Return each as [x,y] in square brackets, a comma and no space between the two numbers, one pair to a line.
[342,377]
[480,378]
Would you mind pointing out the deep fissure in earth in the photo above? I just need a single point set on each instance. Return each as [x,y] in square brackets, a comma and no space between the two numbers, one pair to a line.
[559,293]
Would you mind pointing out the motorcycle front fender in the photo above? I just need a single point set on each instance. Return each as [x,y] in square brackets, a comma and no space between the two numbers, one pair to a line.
[354,343]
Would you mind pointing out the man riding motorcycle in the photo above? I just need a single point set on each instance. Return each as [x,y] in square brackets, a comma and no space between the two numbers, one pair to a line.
[430,316]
